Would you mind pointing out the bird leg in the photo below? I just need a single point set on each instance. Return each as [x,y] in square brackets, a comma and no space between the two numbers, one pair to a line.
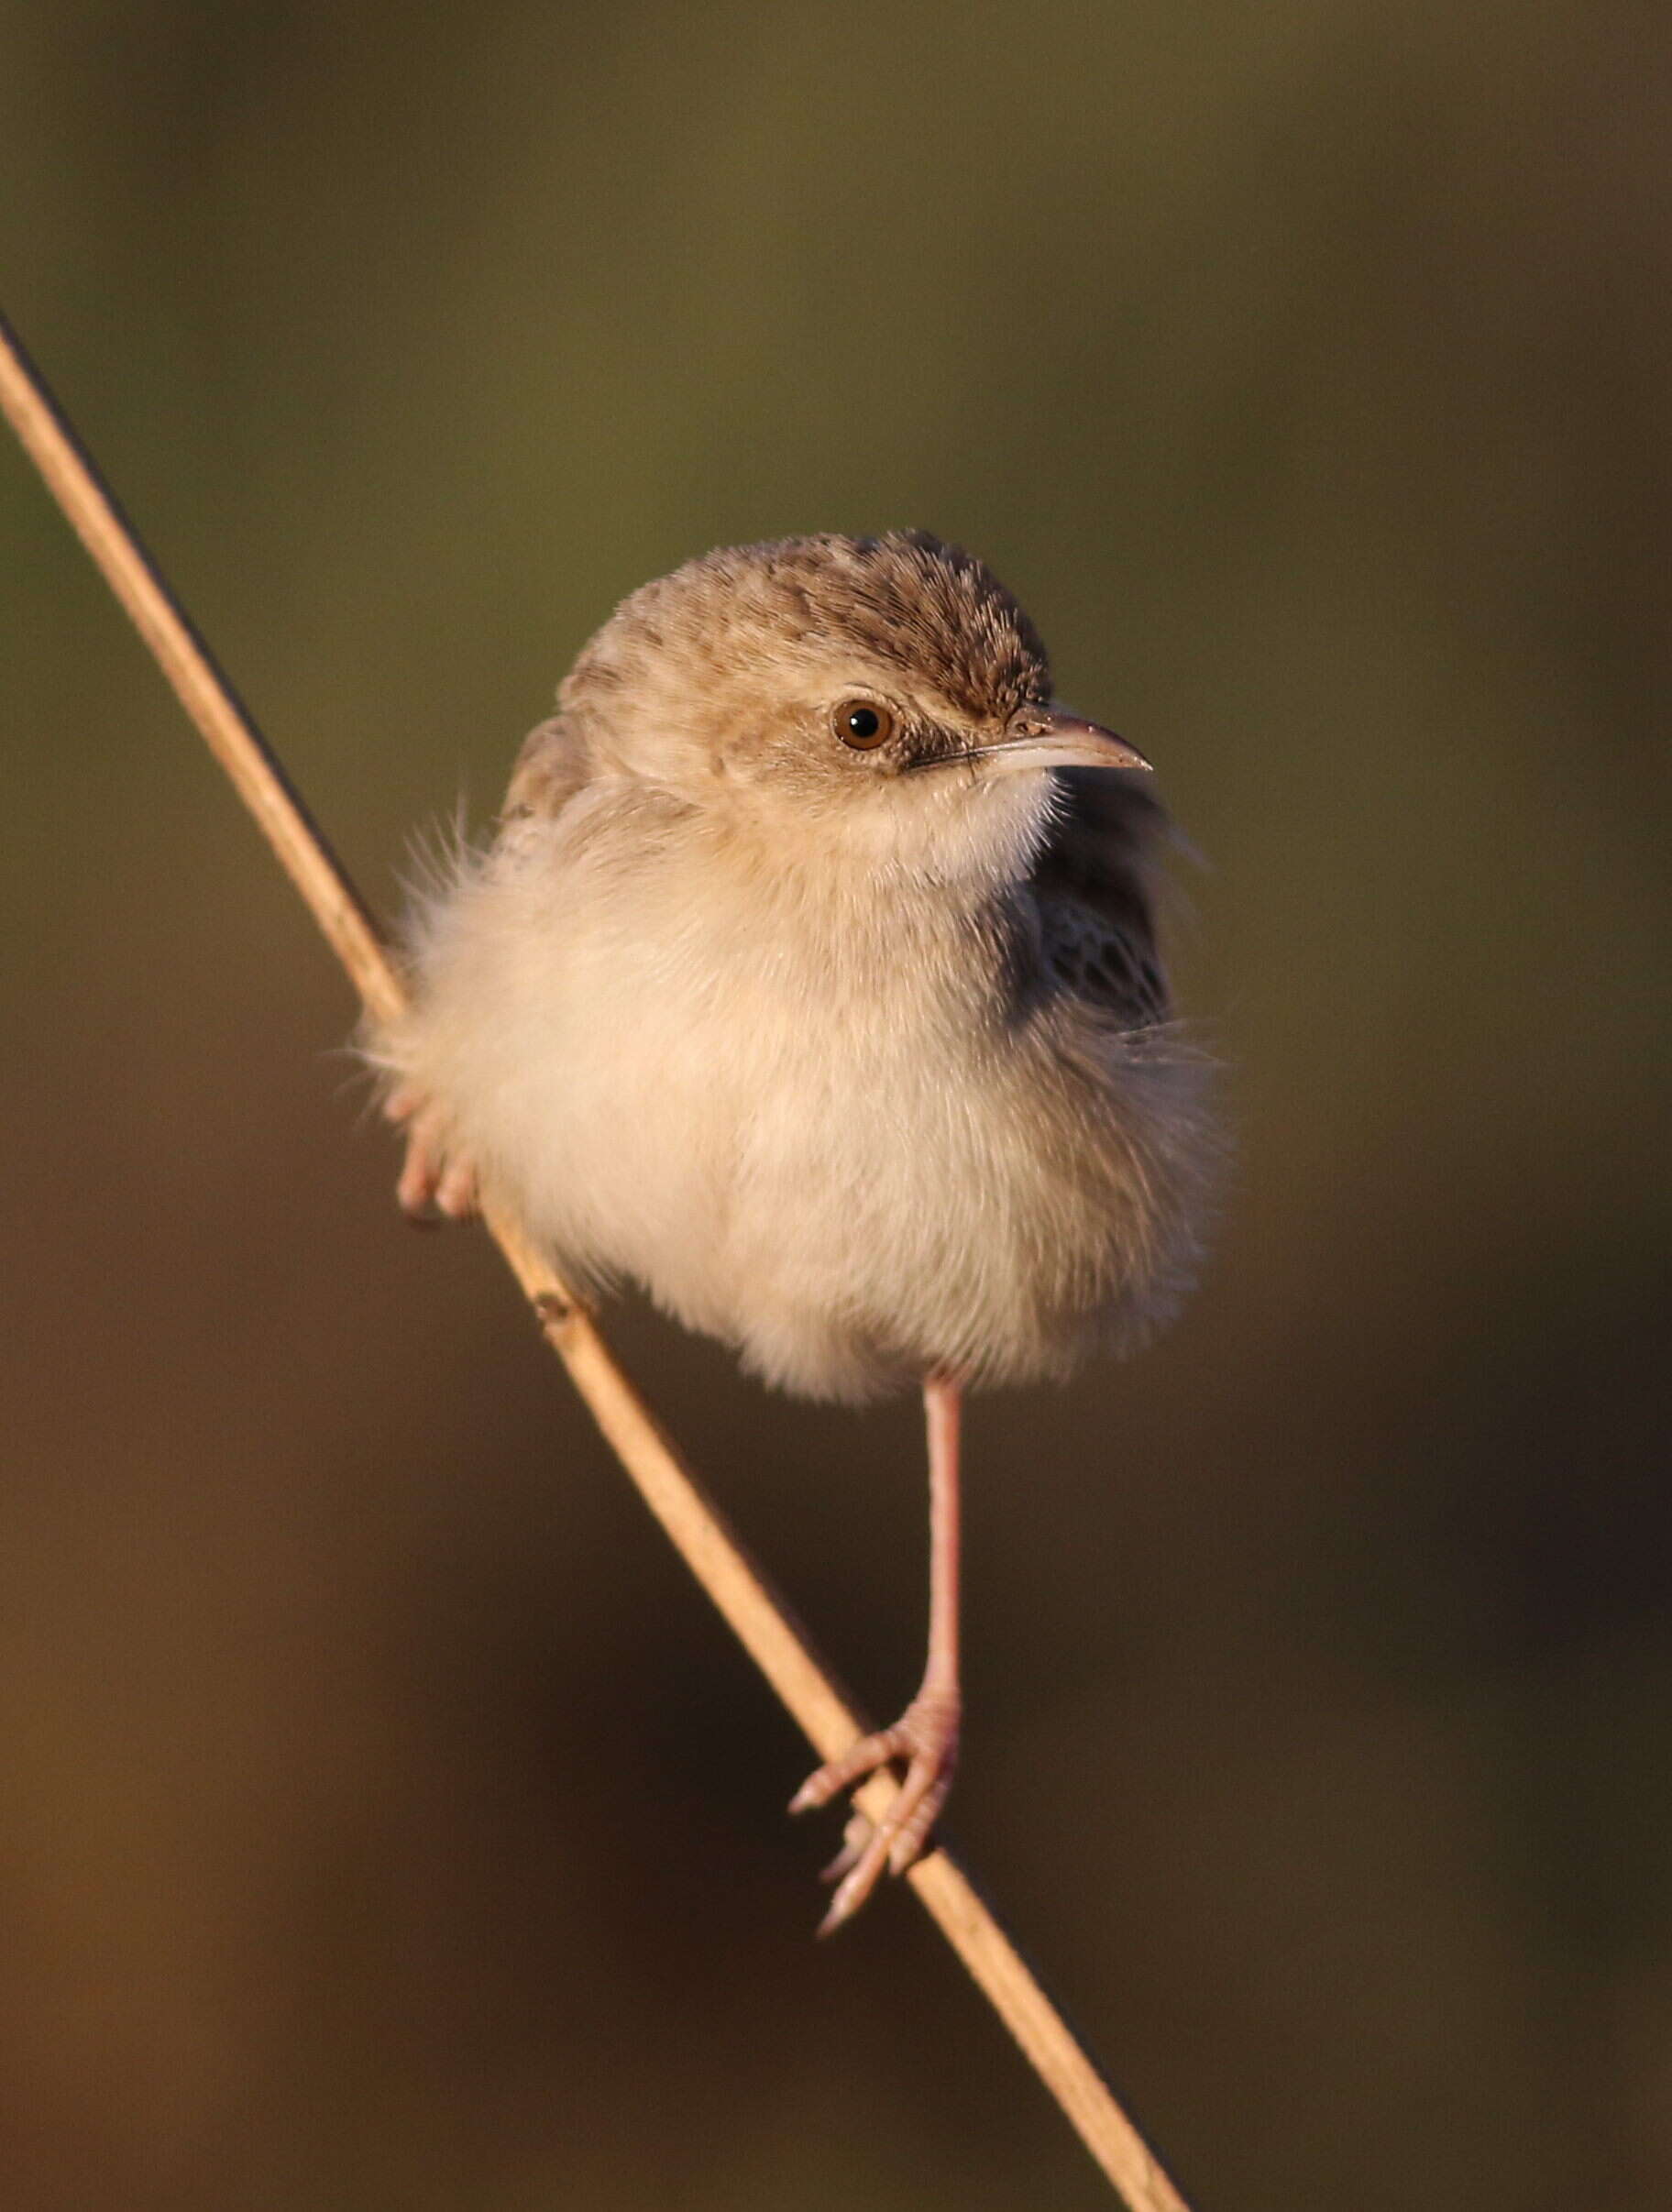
[926,1735]
[430,1176]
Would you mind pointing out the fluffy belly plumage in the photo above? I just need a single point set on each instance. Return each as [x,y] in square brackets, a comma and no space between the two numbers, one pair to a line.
[855,1175]
[849,1225]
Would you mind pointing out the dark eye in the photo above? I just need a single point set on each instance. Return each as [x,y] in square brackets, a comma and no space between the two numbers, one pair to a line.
[862,725]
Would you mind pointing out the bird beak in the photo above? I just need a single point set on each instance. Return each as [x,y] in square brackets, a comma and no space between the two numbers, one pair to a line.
[1050,737]
[1047,737]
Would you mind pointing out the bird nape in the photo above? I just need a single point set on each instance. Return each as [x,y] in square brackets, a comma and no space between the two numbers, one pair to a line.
[811,983]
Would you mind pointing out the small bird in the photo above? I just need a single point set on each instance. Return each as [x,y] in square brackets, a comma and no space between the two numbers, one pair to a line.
[810,984]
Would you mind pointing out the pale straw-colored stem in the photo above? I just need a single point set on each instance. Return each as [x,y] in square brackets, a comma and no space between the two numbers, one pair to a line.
[647,1454]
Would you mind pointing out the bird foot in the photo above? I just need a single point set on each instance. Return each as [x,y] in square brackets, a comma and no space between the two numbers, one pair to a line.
[433,1182]
[926,1736]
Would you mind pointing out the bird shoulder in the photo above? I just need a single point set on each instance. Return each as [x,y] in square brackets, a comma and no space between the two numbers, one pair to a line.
[552,766]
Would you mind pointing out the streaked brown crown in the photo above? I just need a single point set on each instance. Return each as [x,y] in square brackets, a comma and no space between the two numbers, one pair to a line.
[905,600]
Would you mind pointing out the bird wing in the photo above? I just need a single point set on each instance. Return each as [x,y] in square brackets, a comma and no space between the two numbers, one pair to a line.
[1094,884]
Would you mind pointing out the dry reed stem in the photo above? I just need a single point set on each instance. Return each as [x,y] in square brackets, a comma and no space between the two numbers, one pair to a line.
[648,1454]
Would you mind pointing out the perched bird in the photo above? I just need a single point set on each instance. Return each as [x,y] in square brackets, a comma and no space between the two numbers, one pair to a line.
[810,984]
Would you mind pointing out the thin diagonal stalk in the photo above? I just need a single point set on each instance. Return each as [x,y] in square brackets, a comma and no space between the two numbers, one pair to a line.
[711,1551]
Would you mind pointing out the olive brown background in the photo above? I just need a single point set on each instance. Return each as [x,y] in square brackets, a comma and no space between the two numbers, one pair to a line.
[389,1821]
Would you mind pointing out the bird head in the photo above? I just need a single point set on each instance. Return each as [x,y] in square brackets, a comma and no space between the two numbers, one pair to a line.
[880,700]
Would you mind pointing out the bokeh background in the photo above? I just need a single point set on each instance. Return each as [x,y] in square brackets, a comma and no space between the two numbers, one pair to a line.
[389,1821]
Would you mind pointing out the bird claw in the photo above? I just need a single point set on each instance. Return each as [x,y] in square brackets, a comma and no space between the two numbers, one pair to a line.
[433,1182]
[855,1837]
[926,1736]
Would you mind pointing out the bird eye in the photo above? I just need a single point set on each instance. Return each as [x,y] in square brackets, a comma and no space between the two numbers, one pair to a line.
[862,725]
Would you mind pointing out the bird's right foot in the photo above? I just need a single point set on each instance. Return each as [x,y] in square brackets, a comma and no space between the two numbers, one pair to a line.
[926,1738]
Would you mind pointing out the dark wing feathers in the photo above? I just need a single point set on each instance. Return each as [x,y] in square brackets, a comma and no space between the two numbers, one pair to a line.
[1094,882]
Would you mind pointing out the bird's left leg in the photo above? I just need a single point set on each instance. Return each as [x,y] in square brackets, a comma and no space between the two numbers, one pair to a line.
[434,1178]
[926,1735]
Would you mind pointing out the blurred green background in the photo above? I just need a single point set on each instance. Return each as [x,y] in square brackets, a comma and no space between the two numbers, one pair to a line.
[390,1822]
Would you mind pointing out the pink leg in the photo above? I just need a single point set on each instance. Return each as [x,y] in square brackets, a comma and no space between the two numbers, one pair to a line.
[926,1735]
